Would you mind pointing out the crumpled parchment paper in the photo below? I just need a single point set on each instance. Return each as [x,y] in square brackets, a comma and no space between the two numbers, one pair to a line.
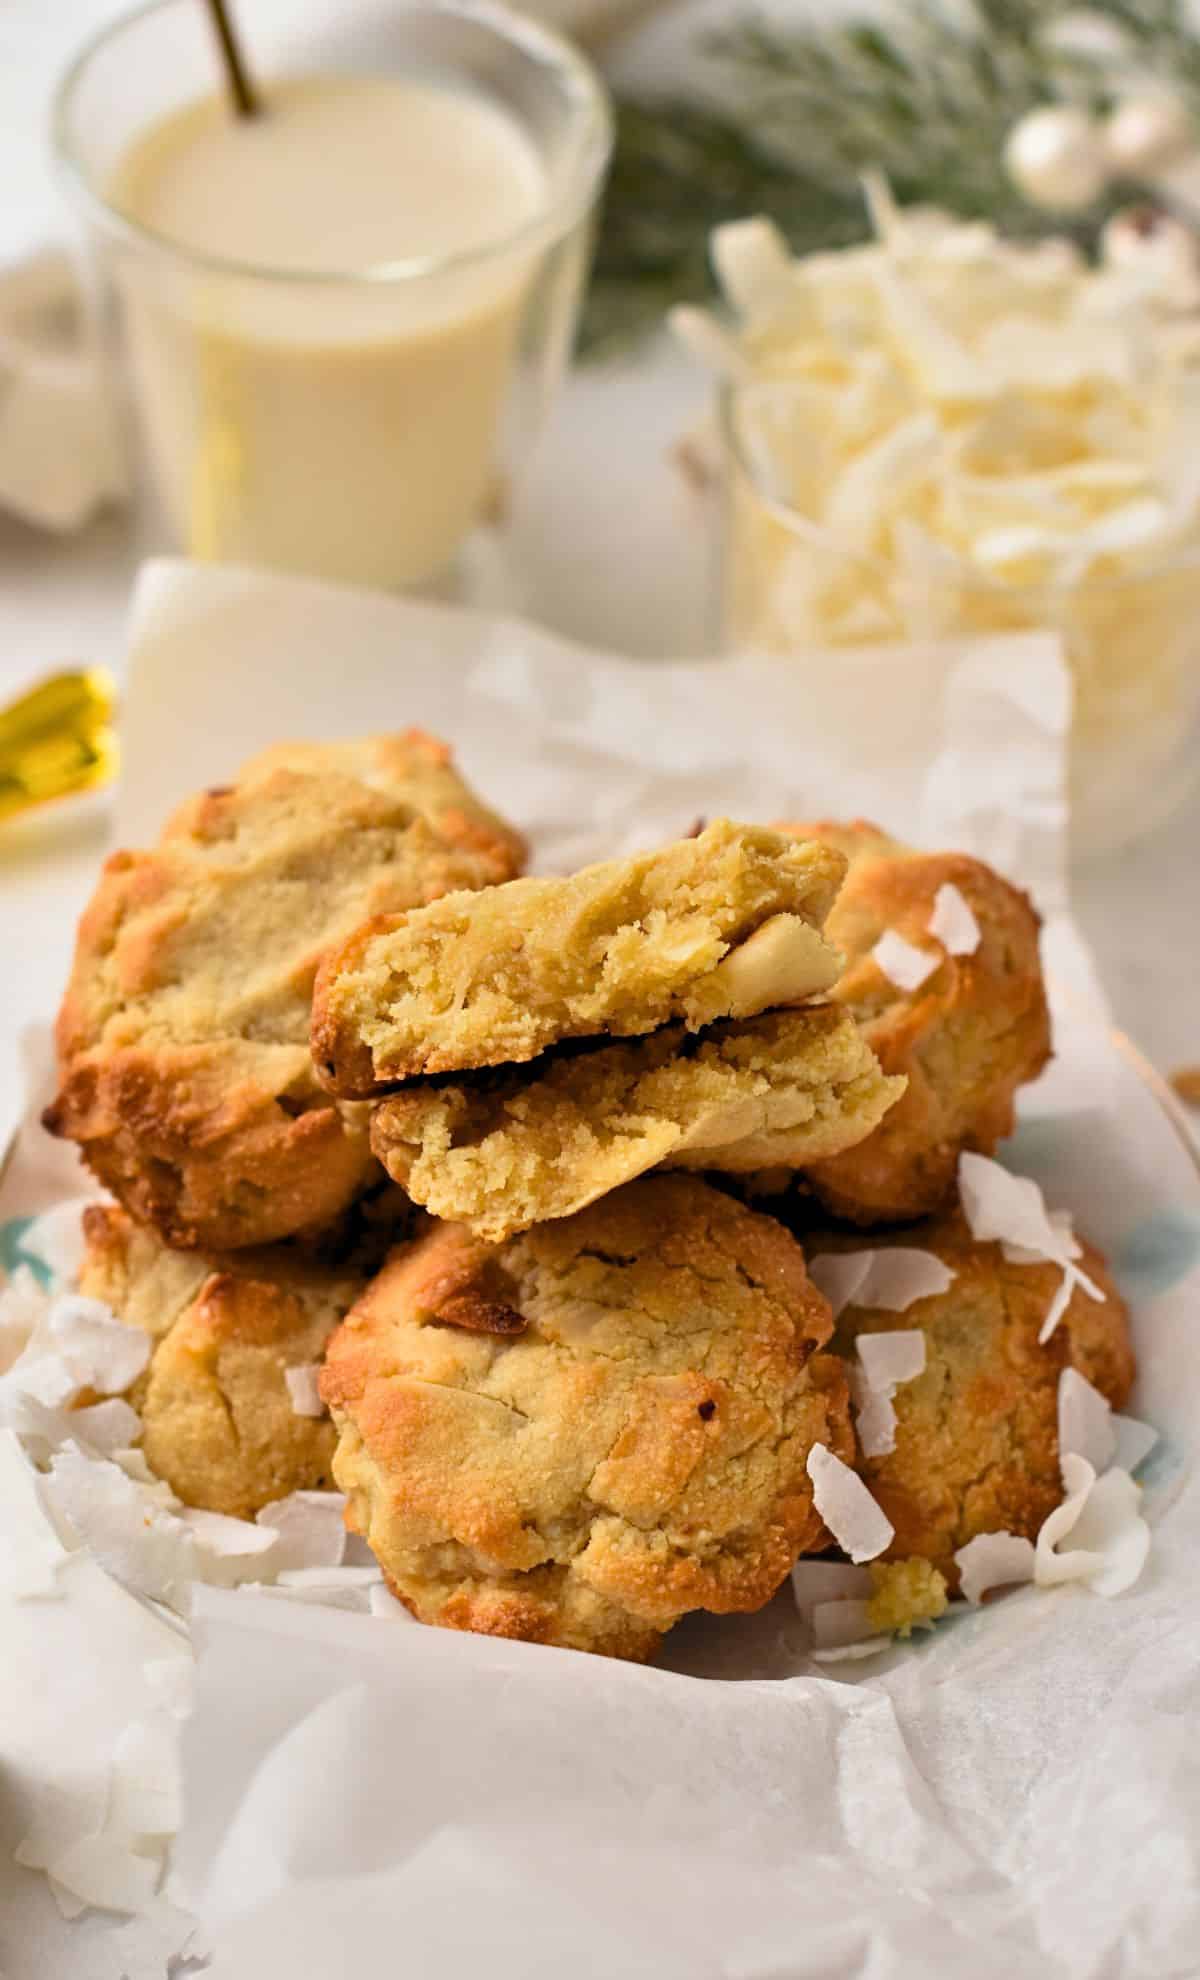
[1018,1794]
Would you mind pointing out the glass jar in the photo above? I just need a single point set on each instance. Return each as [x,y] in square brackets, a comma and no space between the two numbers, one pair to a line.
[791,586]
[359,422]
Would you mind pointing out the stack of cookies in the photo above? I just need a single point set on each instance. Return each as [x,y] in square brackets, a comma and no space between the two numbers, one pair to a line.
[523,1218]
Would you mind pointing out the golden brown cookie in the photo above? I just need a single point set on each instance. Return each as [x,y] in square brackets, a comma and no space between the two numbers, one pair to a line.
[579,1435]
[185,1073]
[218,1422]
[965,1040]
[723,925]
[510,1147]
[976,1446]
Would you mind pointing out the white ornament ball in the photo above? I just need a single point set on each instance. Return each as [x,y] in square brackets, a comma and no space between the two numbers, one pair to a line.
[1056,159]
[1149,131]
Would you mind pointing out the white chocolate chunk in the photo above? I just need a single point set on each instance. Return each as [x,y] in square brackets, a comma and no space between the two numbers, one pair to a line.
[303,1390]
[785,960]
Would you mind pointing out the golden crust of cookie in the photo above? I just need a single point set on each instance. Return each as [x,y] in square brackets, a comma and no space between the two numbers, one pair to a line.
[504,1149]
[977,1433]
[184,1069]
[579,1435]
[974,1032]
[723,925]
[217,1417]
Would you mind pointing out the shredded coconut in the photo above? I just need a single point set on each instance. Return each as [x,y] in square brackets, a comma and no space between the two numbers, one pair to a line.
[892,1278]
[310,1530]
[1135,1441]
[905,966]
[860,1527]
[828,1581]
[1100,1519]
[1085,1421]
[952,922]
[993,1560]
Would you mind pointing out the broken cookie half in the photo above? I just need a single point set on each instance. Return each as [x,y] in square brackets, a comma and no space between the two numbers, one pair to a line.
[724,925]
[549,1040]
[505,1149]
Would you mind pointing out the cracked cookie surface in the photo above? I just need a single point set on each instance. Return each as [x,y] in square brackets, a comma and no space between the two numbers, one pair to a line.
[723,925]
[217,1418]
[513,1147]
[184,1067]
[634,1450]
[976,1446]
[966,1039]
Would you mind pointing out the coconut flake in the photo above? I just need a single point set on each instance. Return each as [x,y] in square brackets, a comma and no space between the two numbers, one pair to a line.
[952,922]
[1085,1421]
[229,1550]
[1109,1540]
[816,1582]
[1135,1441]
[889,1359]
[30,1560]
[860,1527]
[1017,1254]
[1010,1210]
[105,1427]
[128,1528]
[883,1362]
[874,1416]
[852,1653]
[303,1389]
[840,1275]
[329,1588]
[100,1351]
[905,966]
[993,1560]
[835,1624]
[103,1871]
[1001,1207]
[1071,1278]
[310,1529]
[892,1279]
[753,264]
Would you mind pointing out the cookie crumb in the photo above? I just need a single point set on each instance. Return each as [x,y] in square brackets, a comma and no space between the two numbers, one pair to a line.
[908,1595]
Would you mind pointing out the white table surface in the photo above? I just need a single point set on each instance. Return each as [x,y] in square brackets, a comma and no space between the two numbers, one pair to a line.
[611,552]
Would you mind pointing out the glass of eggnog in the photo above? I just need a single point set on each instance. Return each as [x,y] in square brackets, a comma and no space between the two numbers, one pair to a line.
[340,320]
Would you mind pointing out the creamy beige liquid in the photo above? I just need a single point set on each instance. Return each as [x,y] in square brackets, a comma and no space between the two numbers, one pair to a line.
[347,429]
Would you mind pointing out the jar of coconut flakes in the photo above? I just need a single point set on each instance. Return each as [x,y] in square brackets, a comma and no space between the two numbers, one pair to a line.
[943,435]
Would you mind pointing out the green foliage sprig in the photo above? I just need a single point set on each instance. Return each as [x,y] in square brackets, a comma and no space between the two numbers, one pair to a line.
[788,118]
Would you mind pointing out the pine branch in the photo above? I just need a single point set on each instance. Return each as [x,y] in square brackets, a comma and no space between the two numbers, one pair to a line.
[792,117]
